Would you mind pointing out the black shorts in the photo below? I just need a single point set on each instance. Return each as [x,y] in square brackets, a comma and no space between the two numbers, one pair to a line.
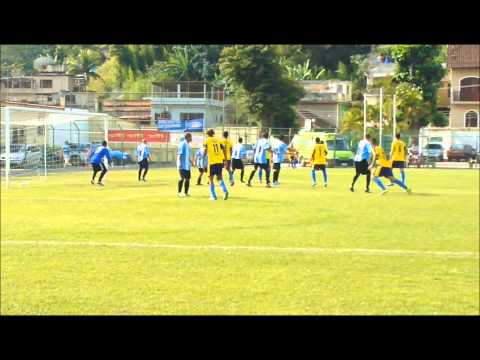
[99,167]
[276,166]
[202,170]
[261,166]
[398,164]
[383,171]
[361,167]
[143,164]
[237,164]
[216,169]
[185,174]
[319,167]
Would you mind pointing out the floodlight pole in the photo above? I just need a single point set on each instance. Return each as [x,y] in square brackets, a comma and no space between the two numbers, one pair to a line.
[381,117]
[7,145]
[364,115]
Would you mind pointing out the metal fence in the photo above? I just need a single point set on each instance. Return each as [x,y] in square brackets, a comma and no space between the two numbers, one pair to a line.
[38,142]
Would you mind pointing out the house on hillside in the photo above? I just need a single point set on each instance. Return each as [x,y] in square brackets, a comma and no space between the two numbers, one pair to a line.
[323,103]
[51,86]
[187,100]
[464,76]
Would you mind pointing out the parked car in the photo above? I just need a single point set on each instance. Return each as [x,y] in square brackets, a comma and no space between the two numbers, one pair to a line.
[54,157]
[459,152]
[433,152]
[121,157]
[79,154]
[22,156]
[249,151]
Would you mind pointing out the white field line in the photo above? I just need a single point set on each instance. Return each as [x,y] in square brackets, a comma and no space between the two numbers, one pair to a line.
[311,250]
[74,199]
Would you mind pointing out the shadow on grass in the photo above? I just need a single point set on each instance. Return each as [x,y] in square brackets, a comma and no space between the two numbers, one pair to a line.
[422,194]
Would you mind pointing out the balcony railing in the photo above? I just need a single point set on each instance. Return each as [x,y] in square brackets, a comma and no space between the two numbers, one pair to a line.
[466,95]
[324,97]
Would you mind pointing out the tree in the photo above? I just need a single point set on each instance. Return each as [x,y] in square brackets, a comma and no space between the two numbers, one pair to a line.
[303,71]
[421,65]
[253,72]
[85,62]
[329,56]
[18,59]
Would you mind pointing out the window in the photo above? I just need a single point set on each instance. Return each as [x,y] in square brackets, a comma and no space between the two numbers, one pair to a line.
[470,89]
[70,99]
[191,116]
[471,119]
[164,115]
[39,130]
[46,84]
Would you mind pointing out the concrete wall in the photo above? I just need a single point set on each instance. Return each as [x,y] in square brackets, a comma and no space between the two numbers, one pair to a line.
[458,111]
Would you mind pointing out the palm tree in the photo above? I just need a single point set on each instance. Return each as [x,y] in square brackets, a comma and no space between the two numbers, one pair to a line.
[85,62]
[189,63]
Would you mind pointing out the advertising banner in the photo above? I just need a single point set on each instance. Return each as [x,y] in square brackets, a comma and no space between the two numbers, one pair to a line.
[136,136]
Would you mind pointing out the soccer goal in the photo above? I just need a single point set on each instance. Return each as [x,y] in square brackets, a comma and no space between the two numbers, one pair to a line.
[37,141]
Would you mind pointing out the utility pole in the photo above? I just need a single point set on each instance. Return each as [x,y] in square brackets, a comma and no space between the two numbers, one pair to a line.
[364,115]
[381,117]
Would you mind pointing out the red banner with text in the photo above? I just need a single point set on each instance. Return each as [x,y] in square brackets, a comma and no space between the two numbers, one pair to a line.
[136,136]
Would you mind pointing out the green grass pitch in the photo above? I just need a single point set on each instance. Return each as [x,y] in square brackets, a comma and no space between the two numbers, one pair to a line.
[134,248]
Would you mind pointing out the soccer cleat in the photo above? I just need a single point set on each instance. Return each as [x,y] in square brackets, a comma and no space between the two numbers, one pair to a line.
[268,186]
[368,191]
[242,181]
[409,190]
[351,189]
[314,185]
[384,192]
[213,198]
[232,183]
[99,183]
[144,179]
[180,195]
[248,184]
[391,184]
[325,186]
[92,182]
[225,196]
[187,195]
[199,184]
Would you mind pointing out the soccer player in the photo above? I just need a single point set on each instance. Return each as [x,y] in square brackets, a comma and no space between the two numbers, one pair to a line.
[279,151]
[362,161]
[260,172]
[319,162]
[201,162]
[96,160]
[143,157]
[384,168]
[398,154]
[227,144]
[183,164]
[238,153]
[260,158]
[216,156]
[66,153]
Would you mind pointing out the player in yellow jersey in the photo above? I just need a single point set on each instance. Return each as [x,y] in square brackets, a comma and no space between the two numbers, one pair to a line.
[398,154]
[228,155]
[216,161]
[319,162]
[383,167]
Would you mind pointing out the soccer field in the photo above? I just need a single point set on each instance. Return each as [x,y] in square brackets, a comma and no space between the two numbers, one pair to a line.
[135,248]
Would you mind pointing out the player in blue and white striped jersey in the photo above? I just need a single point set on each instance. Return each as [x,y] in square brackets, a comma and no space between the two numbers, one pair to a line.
[183,164]
[201,162]
[260,158]
[143,156]
[238,153]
